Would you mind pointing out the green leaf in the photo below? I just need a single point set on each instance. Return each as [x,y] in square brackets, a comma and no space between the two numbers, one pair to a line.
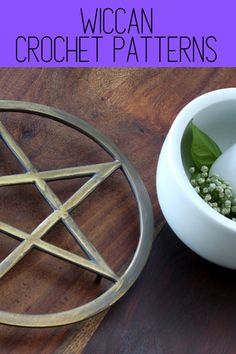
[204,150]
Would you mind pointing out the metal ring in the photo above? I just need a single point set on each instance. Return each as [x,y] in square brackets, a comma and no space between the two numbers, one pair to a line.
[117,290]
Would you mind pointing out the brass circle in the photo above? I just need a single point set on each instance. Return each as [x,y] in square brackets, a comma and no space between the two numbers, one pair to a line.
[140,257]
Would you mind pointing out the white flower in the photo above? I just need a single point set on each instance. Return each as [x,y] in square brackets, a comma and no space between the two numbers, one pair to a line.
[219,189]
[225,211]
[201,180]
[233,209]
[197,189]
[193,182]
[192,170]
[218,183]
[212,187]
[228,203]
[228,192]
[204,174]
[216,192]
[216,175]
[207,198]
[204,169]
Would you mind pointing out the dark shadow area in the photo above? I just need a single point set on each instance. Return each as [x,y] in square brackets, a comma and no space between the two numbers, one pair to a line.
[181,304]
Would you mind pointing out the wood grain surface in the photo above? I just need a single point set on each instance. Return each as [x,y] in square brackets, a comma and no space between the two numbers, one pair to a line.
[135,108]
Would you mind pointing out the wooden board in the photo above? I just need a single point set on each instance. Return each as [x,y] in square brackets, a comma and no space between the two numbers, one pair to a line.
[135,108]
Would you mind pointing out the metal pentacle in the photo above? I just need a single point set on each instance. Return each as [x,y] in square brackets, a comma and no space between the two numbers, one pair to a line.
[61,212]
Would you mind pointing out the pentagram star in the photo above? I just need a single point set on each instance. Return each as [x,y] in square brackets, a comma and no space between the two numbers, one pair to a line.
[60,212]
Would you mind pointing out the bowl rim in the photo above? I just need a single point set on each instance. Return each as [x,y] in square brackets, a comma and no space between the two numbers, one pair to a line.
[174,139]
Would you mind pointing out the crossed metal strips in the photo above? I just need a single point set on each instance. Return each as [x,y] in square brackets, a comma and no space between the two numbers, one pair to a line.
[61,212]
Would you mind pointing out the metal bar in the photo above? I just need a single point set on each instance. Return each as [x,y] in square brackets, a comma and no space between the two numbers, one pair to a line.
[15,256]
[16,150]
[72,172]
[102,171]
[75,259]
[87,246]
[25,247]
[13,231]
[16,179]
[53,175]
[91,185]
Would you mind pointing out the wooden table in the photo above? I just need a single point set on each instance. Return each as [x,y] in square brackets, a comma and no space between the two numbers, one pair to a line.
[181,303]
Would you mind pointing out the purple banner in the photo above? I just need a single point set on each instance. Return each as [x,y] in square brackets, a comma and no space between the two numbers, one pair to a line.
[117,33]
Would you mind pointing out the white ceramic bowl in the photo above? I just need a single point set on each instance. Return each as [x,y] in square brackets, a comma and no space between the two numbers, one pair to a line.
[201,228]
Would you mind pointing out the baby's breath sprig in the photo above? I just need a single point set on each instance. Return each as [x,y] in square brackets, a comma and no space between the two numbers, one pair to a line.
[216,192]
